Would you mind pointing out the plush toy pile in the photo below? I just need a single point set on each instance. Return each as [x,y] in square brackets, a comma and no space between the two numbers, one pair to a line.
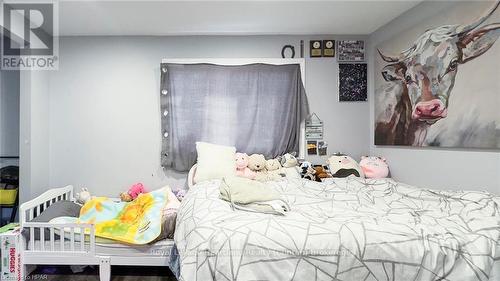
[372,167]
[256,167]
[339,165]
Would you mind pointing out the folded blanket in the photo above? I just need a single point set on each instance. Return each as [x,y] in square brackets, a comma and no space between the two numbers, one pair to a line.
[250,195]
[136,222]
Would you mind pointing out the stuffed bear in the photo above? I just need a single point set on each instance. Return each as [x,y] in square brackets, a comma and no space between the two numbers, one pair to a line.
[342,166]
[374,167]
[125,197]
[242,169]
[257,163]
[321,172]
[274,170]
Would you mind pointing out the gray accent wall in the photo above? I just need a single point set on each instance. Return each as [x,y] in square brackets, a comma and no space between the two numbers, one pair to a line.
[103,126]
[433,167]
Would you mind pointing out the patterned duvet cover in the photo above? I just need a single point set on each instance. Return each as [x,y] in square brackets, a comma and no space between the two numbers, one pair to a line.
[349,229]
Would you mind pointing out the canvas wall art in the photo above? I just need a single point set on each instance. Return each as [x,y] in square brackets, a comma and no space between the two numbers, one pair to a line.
[353,82]
[438,83]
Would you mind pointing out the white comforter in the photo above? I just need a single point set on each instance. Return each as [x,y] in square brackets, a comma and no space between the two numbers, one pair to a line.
[352,229]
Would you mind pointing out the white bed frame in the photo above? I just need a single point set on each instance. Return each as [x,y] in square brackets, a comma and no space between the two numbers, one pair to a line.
[82,251]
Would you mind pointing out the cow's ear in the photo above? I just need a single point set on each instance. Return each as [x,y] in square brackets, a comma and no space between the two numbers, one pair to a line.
[477,42]
[393,72]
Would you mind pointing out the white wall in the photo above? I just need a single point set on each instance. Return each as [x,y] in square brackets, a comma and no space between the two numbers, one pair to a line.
[34,133]
[432,167]
[9,113]
[103,111]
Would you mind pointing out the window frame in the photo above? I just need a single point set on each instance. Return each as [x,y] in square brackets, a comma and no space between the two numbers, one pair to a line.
[244,61]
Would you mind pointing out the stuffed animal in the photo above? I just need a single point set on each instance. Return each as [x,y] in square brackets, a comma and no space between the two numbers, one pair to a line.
[257,163]
[307,171]
[274,170]
[125,197]
[83,196]
[342,166]
[290,165]
[321,172]
[242,169]
[179,193]
[288,160]
[133,192]
[136,189]
[374,167]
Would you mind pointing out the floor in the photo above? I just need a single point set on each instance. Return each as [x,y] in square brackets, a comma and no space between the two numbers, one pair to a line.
[118,273]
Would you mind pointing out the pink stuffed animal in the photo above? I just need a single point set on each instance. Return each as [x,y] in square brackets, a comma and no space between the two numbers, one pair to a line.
[374,167]
[241,166]
[136,189]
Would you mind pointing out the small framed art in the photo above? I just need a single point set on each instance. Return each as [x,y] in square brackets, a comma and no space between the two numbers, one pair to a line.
[353,81]
[312,148]
[328,48]
[315,48]
[350,50]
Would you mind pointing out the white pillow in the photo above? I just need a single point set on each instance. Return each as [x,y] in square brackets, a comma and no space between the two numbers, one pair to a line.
[214,161]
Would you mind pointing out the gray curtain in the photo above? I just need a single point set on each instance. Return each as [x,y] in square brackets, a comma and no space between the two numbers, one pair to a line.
[257,108]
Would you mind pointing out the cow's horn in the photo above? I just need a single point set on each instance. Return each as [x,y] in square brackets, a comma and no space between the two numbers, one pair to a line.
[387,58]
[480,20]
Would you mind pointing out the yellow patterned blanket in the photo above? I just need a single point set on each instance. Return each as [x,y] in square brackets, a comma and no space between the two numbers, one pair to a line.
[136,222]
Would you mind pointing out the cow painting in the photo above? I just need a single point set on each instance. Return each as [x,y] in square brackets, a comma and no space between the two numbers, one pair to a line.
[419,81]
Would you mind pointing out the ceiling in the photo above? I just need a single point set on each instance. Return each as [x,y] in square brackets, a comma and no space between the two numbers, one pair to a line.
[226,17]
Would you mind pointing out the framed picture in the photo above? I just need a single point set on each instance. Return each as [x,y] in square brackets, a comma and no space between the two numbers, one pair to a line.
[315,48]
[445,114]
[350,50]
[322,148]
[353,81]
[329,48]
[312,148]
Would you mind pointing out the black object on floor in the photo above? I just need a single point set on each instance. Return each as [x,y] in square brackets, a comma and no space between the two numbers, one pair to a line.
[118,273]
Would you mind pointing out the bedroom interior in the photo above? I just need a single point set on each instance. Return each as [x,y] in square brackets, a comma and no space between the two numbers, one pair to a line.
[250,140]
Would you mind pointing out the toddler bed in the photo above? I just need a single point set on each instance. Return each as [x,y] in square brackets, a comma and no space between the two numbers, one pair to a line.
[346,229]
[43,244]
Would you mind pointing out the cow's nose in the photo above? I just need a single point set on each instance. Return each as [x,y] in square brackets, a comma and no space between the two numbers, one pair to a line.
[432,109]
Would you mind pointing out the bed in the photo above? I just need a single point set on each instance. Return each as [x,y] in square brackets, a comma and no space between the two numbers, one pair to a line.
[344,229]
[77,249]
